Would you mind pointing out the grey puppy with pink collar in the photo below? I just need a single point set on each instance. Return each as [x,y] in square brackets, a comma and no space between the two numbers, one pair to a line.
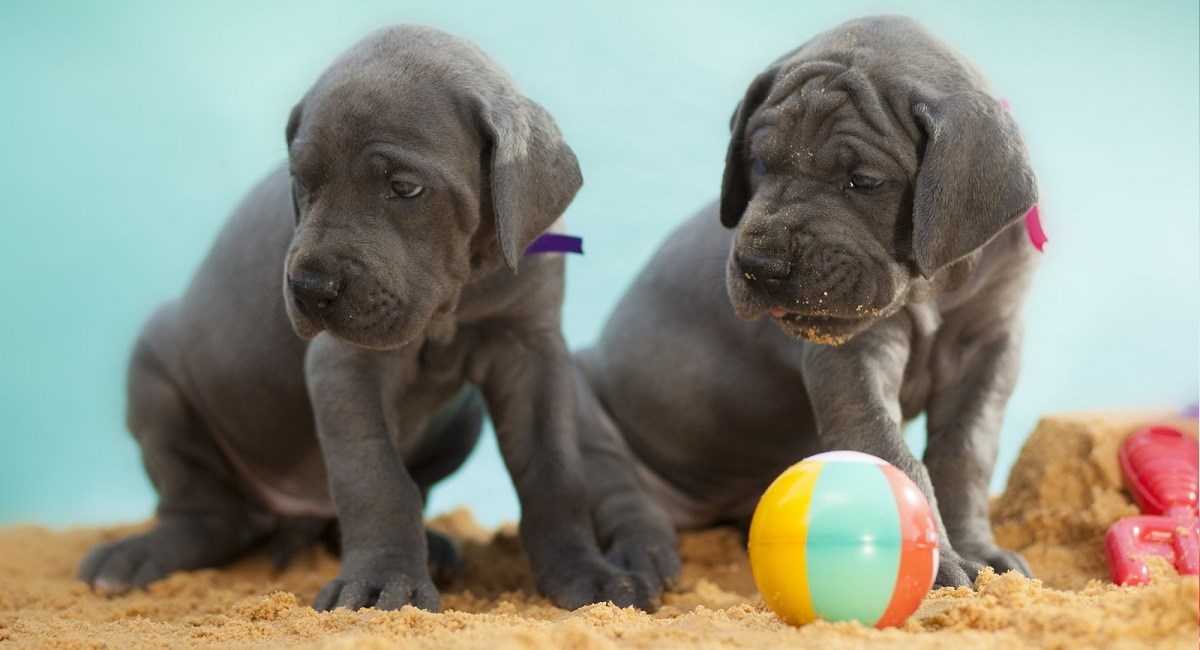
[867,263]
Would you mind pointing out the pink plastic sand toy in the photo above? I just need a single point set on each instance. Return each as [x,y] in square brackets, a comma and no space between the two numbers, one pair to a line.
[1160,468]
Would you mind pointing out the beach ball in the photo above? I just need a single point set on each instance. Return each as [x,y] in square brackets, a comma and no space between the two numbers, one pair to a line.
[843,536]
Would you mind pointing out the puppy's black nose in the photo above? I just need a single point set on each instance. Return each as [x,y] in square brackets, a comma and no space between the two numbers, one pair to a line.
[766,272]
[314,293]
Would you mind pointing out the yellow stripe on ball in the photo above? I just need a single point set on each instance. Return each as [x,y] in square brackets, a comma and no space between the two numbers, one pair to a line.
[778,535]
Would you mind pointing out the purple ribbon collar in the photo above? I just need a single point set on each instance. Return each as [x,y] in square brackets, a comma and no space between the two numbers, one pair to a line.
[552,242]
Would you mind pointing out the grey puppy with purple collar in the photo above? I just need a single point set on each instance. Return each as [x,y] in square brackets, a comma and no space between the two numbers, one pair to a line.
[874,255]
[418,176]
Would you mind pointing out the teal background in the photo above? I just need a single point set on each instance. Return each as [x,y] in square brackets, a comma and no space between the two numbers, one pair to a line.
[130,129]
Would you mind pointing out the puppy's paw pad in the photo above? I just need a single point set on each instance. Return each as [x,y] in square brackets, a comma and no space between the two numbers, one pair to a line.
[1003,560]
[656,560]
[1000,559]
[956,571]
[601,583]
[398,593]
[381,592]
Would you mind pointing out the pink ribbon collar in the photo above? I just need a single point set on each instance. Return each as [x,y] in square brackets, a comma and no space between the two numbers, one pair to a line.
[1033,221]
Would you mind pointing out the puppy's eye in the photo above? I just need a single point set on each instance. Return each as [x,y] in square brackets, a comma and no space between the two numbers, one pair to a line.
[862,182]
[300,198]
[406,190]
[760,167]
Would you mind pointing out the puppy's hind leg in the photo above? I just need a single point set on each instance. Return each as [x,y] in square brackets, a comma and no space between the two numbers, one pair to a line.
[634,531]
[202,520]
[452,436]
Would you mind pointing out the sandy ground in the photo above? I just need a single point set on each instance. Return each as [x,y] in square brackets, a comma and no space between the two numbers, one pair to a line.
[1062,495]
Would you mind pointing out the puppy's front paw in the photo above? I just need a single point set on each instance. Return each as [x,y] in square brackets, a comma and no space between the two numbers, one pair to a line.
[651,554]
[597,582]
[381,590]
[1000,559]
[955,570]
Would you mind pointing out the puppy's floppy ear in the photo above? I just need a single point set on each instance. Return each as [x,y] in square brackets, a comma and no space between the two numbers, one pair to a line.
[975,179]
[533,173]
[735,184]
[293,125]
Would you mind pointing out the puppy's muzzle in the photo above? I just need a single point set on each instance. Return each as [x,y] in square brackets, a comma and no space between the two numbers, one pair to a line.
[767,273]
[315,295]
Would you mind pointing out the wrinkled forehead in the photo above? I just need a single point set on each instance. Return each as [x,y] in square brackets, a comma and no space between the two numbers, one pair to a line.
[342,117]
[829,114]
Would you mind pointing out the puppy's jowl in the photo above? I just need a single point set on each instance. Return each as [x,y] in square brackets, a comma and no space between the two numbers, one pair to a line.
[873,196]
[418,175]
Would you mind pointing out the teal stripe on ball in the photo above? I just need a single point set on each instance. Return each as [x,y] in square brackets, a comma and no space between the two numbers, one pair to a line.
[853,549]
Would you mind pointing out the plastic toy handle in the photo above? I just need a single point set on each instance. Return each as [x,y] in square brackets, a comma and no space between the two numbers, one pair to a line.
[1160,465]
[1130,541]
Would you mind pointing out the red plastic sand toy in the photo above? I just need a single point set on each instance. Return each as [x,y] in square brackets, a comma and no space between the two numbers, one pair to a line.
[1160,468]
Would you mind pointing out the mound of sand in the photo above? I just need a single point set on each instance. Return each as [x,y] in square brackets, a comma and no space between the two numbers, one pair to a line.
[1063,493]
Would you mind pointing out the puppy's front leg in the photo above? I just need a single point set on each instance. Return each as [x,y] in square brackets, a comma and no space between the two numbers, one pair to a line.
[528,387]
[964,419]
[378,503]
[855,395]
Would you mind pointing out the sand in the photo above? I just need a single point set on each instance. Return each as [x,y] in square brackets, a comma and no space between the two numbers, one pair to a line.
[1063,493]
